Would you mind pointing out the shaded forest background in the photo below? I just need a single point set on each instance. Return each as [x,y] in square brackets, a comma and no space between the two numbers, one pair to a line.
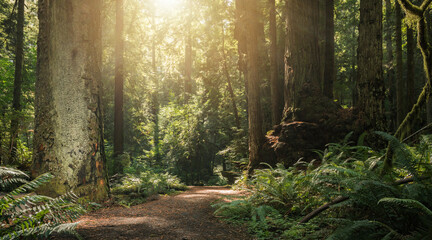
[185,102]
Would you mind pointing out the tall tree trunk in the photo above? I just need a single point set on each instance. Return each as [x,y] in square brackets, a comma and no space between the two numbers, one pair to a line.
[228,76]
[304,100]
[68,140]
[400,84]
[329,68]
[276,86]
[119,83]
[256,136]
[19,66]
[390,65]
[410,83]
[370,74]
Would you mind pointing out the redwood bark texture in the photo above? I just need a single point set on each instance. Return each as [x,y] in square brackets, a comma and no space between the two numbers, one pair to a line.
[370,74]
[68,139]
[119,84]
[303,95]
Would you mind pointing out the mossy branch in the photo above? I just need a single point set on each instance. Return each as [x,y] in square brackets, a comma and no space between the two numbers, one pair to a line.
[404,128]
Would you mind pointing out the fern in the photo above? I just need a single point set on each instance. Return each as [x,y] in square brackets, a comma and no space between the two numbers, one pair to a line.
[406,203]
[25,214]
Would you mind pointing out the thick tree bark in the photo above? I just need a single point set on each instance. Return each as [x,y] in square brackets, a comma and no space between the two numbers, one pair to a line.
[370,56]
[19,66]
[256,136]
[400,84]
[119,83]
[304,100]
[68,139]
[410,90]
[329,68]
[276,86]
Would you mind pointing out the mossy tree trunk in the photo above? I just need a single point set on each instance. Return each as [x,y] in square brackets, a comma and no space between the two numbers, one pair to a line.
[68,139]
[370,56]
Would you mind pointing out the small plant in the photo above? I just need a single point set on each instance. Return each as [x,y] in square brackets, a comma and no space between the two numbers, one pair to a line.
[25,214]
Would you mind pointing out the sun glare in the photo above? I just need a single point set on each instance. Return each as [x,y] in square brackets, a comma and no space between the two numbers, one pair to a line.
[167,5]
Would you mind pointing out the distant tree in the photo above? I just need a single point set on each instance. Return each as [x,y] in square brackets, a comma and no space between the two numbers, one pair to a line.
[400,84]
[68,140]
[276,83]
[188,53]
[370,56]
[390,74]
[229,81]
[18,80]
[119,84]
[329,68]
[410,74]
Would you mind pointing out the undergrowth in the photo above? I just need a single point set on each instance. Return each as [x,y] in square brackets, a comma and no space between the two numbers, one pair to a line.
[375,206]
[26,215]
[134,188]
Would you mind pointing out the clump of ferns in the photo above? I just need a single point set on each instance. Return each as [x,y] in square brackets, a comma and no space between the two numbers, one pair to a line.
[25,214]
[396,205]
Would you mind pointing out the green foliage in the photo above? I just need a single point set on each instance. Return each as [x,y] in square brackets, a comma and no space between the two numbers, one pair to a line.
[377,207]
[134,188]
[25,214]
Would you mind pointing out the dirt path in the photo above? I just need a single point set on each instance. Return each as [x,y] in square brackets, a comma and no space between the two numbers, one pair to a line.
[187,216]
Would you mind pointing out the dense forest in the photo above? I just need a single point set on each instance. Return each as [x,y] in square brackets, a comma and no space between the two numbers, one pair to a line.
[317,113]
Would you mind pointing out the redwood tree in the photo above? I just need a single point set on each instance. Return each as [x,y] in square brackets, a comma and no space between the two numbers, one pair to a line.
[256,136]
[303,96]
[370,74]
[68,140]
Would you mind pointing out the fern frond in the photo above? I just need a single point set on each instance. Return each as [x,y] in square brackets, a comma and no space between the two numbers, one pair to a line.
[43,231]
[406,203]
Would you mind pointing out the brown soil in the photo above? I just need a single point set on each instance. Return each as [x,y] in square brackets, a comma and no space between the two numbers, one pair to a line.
[185,216]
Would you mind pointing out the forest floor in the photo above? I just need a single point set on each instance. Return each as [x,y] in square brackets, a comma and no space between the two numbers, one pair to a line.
[186,216]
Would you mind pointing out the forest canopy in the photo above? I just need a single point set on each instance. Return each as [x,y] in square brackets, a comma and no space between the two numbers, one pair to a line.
[303,97]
